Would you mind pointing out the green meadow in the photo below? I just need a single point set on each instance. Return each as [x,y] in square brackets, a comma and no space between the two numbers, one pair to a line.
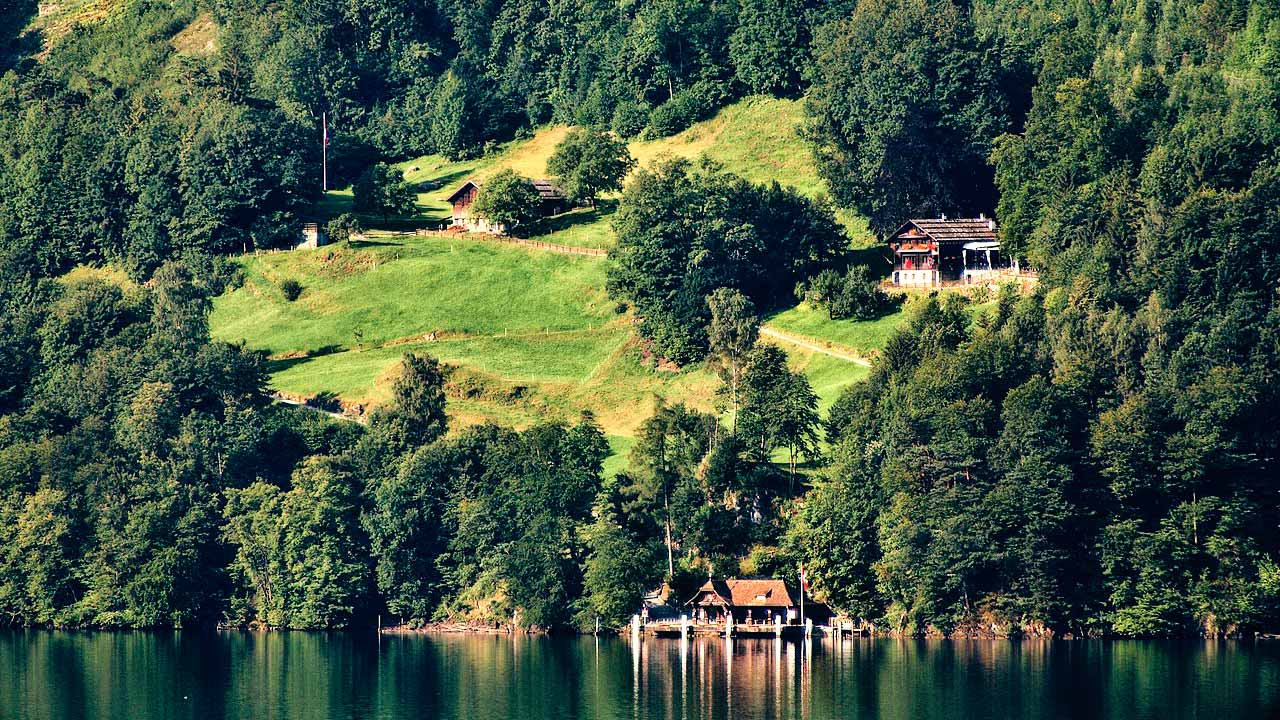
[528,335]
[757,138]
[858,338]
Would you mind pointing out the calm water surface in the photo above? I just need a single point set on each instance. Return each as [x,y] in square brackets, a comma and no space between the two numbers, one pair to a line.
[148,676]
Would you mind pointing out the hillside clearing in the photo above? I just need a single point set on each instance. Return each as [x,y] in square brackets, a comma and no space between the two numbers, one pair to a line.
[394,288]
[531,335]
[757,138]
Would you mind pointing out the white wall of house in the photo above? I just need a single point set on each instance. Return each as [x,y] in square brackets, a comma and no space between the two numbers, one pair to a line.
[915,278]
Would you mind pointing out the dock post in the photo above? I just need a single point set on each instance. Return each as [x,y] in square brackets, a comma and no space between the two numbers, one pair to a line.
[728,624]
[635,627]
[808,627]
[777,626]
[684,626]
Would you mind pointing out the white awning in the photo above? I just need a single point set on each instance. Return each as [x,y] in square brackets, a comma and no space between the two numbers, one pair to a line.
[987,245]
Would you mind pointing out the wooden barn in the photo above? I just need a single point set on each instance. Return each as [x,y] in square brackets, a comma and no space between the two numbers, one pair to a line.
[753,601]
[553,202]
[935,251]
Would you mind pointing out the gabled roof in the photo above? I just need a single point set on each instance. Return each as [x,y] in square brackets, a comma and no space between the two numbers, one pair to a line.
[465,187]
[547,190]
[749,592]
[950,229]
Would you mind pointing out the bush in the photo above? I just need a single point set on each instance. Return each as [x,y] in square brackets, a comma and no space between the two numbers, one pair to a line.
[382,190]
[696,102]
[629,119]
[291,289]
[852,295]
[341,228]
[508,198]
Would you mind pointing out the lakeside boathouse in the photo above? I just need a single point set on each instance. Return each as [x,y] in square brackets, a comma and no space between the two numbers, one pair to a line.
[753,601]
[931,252]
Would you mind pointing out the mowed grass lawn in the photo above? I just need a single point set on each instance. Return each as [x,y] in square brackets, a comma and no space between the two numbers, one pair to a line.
[531,334]
[557,357]
[404,287]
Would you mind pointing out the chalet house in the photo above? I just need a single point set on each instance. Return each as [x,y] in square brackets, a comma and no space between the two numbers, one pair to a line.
[931,252]
[753,601]
[552,202]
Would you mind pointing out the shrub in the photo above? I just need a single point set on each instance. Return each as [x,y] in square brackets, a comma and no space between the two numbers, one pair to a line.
[508,198]
[381,190]
[629,119]
[694,103]
[341,228]
[852,295]
[291,289]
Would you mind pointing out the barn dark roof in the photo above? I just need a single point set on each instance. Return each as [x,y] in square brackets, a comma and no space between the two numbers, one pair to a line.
[960,230]
[547,190]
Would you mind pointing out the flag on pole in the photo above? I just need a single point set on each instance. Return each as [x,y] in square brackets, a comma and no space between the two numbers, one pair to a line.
[804,581]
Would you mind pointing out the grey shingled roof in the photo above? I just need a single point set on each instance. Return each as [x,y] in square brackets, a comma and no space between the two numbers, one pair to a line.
[547,189]
[953,229]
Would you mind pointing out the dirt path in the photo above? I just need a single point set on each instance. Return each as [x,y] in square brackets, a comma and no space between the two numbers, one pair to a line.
[808,345]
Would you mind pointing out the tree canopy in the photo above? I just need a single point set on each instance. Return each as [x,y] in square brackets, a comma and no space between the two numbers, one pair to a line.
[507,198]
[589,162]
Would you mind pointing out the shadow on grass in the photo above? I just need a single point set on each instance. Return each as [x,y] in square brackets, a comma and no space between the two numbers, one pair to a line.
[877,258]
[281,364]
[572,219]
[16,42]
[325,400]
[427,185]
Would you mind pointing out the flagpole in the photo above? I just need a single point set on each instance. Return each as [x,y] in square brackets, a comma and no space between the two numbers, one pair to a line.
[324,151]
[802,595]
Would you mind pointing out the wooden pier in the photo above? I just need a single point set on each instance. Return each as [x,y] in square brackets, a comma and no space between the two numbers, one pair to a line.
[688,628]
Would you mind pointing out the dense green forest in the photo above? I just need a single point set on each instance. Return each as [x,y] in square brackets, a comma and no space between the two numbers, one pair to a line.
[1095,456]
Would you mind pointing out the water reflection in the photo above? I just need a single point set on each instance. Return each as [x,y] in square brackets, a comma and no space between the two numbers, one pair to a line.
[297,675]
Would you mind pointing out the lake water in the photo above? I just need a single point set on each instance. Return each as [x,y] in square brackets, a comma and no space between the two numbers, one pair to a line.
[148,676]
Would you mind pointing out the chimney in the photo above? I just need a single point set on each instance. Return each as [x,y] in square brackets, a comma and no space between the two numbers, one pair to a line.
[982,216]
[944,216]
[991,224]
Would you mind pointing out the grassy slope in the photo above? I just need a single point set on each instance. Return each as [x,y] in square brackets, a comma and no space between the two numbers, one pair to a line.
[532,335]
[396,288]
[530,332]
[863,338]
[55,19]
[756,138]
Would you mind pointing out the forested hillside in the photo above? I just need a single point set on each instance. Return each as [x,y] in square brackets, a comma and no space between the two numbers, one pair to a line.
[1095,456]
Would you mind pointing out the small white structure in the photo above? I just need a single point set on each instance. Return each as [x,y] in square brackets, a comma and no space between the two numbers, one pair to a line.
[313,236]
